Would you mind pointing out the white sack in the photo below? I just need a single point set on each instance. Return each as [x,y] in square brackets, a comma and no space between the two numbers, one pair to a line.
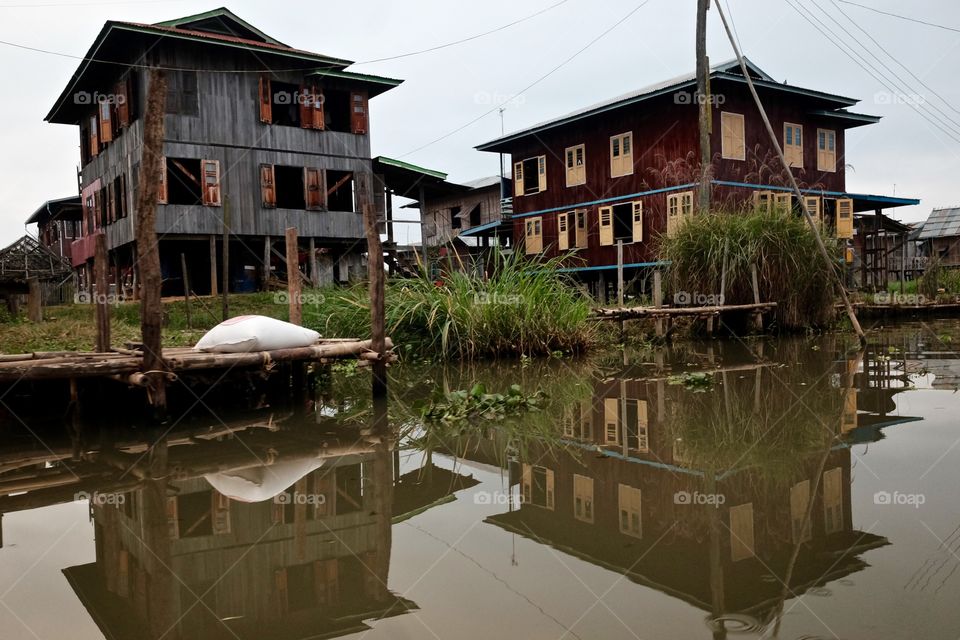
[255,333]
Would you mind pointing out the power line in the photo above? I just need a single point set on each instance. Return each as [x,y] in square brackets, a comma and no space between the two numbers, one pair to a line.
[833,38]
[242,71]
[532,84]
[897,15]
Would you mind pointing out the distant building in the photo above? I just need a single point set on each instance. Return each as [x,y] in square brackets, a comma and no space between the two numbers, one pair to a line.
[58,224]
[941,236]
[280,135]
[626,170]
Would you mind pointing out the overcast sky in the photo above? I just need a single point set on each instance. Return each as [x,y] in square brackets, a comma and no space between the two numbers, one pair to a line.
[903,155]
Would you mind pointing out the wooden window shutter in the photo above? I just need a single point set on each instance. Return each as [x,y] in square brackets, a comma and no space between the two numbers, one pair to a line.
[109,208]
[173,518]
[517,179]
[306,106]
[94,137]
[106,122]
[122,94]
[638,221]
[280,585]
[845,218]
[277,513]
[581,227]
[814,206]
[534,235]
[268,189]
[606,226]
[313,183]
[162,187]
[833,500]
[826,150]
[731,136]
[550,489]
[526,483]
[741,532]
[211,182]
[123,196]
[799,499]
[611,420]
[542,173]
[221,513]
[673,214]
[318,119]
[266,100]
[783,201]
[358,112]
[563,232]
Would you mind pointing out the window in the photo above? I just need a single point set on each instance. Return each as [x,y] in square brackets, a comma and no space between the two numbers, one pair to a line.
[833,500]
[826,150]
[583,498]
[340,191]
[455,222]
[621,222]
[537,486]
[799,501]
[741,532]
[576,169]
[183,181]
[358,112]
[290,187]
[628,499]
[635,424]
[530,176]
[611,421]
[211,182]
[679,208]
[182,96]
[621,155]
[814,206]
[793,144]
[844,218]
[731,136]
[783,201]
[563,231]
[533,235]
[581,231]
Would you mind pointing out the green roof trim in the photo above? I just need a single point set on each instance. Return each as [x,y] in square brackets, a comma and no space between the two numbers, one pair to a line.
[400,164]
[221,12]
[352,75]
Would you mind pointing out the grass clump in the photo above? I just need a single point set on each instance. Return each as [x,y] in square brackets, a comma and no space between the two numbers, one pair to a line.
[525,308]
[790,269]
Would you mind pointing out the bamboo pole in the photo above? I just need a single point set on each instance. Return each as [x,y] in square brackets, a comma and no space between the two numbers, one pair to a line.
[225,283]
[793,182]
[151,166]
[377,311]
[213,265]
[293,277]
[703,97]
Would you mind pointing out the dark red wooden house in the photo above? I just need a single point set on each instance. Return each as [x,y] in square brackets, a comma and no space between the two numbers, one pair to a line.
[626,170]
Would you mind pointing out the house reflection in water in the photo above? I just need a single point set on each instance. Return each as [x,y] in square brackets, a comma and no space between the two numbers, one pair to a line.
[194,542]
[703,496]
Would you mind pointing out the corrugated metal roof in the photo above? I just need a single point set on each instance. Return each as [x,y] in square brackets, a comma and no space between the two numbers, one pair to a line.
[942,223]
[729,69]
[480,183]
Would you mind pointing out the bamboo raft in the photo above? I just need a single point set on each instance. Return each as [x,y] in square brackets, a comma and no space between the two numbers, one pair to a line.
[125,365]
[664,316]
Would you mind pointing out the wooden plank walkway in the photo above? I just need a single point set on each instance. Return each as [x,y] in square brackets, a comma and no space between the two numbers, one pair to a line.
[664,316]
[125,364]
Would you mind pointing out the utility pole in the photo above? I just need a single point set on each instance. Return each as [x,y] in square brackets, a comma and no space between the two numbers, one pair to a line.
[703,103]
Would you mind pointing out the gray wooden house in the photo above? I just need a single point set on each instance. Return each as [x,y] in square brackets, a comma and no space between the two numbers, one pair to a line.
[258,133]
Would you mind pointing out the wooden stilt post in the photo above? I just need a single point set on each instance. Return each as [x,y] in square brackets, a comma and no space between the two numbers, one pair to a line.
[314,269]
[267,246]
[703,97]
[225,276]
[34,300]
[186,289]
[102,293]
[757,317]
[378,336]
[658,301]
[213,265]
[293,276]
[620,273]
[151,307]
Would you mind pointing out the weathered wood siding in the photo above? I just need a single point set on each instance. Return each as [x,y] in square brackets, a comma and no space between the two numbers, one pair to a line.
[438,227]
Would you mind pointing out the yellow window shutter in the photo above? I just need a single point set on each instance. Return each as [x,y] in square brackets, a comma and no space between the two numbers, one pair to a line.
[638,221]
[799,500]
[542,172]
[606,226]
[673,214]
[845,218]
[611,420]
[517,179]
[527,483]
[581,215]
[550,489]
[563,232]
[784,201]
[813,205]
[741,532]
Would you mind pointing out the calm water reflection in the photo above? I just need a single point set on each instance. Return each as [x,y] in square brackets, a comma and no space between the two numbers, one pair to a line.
[798,489]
